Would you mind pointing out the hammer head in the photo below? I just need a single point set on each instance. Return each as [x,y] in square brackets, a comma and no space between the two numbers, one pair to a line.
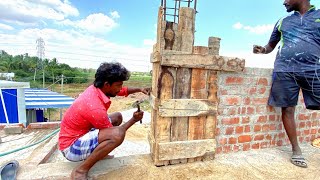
[137,103]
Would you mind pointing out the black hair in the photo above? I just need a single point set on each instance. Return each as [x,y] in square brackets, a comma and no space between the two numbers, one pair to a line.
[110,72]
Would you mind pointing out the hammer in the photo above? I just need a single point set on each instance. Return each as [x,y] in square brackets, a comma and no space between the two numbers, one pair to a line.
[136,104]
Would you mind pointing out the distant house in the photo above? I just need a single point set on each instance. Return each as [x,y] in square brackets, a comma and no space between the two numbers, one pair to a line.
[20,104]
[7,76]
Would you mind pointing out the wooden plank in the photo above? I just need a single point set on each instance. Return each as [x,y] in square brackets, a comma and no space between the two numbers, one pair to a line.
[154,102]
[163,124]
[198,91]
[211,62]
[179,129]
[186,107]
[211,120]
[186,149]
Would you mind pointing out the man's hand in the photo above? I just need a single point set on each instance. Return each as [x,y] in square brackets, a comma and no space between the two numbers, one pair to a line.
[259,49]
[137,116]
[146,91]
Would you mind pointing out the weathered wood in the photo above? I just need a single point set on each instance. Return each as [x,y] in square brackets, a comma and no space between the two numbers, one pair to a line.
[179,129]
[214,45]
[185,149]
[186,107]
[154,102]
[211,62]
[163,124]
[186,28]
[211,121]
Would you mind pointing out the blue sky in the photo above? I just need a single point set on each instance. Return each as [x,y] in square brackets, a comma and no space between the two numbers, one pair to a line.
[85,33]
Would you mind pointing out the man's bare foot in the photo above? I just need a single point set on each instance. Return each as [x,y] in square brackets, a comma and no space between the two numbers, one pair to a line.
[109,157]
[79,175]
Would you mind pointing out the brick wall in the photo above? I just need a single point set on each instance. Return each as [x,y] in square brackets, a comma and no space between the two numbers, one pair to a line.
[245,121]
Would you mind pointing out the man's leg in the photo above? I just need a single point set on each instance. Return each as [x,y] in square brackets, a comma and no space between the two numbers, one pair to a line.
[290,127]
[109,139]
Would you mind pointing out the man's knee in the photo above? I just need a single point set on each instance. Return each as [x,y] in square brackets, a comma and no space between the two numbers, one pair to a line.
[118,135]
[116,118]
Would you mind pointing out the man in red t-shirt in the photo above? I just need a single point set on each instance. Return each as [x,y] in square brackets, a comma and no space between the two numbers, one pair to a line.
[87,132]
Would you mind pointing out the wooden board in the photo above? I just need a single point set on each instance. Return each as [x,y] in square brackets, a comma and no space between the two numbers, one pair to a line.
[186,149]
[211,62]
[186,107]
[179,129]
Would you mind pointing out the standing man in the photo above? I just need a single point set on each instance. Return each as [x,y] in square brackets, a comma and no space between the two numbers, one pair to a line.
[87,132]
[297,66]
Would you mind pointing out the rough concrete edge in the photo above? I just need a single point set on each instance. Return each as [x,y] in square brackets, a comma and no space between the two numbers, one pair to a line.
[63,170]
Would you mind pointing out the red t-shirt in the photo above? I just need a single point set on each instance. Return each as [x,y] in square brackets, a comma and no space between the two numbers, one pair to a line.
[88,111]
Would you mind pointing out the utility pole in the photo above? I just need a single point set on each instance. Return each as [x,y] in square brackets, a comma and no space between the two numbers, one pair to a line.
[40,53]
[62,76]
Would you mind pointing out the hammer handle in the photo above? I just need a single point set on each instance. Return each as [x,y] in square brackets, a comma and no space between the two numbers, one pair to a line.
[139,111]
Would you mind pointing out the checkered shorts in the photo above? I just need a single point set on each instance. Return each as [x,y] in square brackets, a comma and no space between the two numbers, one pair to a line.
[83,147]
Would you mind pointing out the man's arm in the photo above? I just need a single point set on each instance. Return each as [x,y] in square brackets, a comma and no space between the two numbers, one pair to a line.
[132,90]
[266,49]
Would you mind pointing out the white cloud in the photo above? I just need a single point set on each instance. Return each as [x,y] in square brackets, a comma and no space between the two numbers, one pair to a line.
[94,23]
[77,49]
[115,14]
[6,27]
[259,29]
[32,11]
[149,42]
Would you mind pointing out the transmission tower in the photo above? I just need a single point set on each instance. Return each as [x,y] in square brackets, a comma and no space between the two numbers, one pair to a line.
[40,54]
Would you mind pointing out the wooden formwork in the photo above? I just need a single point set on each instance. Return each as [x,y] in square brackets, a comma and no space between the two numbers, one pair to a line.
[184,92]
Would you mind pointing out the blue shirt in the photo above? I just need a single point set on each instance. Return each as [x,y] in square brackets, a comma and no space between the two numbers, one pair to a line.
[300,42]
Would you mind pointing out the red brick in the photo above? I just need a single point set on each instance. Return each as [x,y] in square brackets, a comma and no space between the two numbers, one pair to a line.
[262,119]
[279,143]
[280,126]
[313,131]
[261,110]
[298,133]
[282,135]
[218,150]
[247,101]
[264,145]
[303,117]
[223,92]
[262,81]
[300,139]
[252,91]
[232,100]
[242,110]
[245,120]
[239,130]
[262,90]
[231,111]
[272,117]
[232,140]
[266,128]
[230,121]
[307,139]
[315,123]
[308,124]
[306,132]
[236,148]
[223,141]
[314,116]
[273,127]
[244,138]
[255,146]
[259,137]
[229,130]
[246,147]
[234,80]
[302,125]
[268,137]
[260,101]
[257,128]
[217,131]
[247,128]
[250,110]
[226,149]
